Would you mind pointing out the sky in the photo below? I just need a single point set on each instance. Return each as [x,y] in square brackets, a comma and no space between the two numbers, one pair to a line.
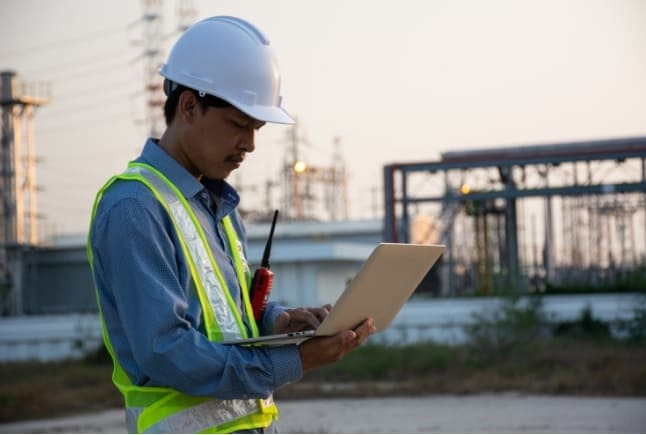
[395,80]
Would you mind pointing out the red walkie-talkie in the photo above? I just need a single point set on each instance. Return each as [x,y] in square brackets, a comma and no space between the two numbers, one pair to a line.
[263,278]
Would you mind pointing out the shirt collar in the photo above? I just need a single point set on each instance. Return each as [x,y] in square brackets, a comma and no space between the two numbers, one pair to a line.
[224,195]
[158,158]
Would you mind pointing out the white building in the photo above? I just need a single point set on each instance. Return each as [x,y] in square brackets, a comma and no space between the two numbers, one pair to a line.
[313,261]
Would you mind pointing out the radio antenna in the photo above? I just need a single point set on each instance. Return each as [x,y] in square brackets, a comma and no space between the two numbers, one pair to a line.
[267,252]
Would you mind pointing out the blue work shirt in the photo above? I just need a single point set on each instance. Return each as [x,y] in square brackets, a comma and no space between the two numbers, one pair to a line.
[148,300]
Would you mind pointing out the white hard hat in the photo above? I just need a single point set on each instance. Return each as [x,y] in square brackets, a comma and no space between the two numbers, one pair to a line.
[231,59]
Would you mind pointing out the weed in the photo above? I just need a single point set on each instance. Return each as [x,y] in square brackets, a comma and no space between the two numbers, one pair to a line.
[380,362]
[586,326]
[517,326]
[634,329]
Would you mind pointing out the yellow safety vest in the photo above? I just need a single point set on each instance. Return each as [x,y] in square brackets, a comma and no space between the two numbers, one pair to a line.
[160,409]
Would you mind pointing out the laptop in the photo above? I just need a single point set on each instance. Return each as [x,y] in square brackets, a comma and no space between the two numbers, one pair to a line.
[380,289]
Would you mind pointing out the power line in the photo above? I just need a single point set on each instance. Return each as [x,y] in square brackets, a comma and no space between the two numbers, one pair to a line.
[103,87]
[98,69]
[68,184]
[100,103]
[65,172]
[70,65]
[67,42]
[74,124]
[64,209]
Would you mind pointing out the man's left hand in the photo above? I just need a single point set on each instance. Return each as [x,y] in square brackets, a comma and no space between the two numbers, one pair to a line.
[300,319]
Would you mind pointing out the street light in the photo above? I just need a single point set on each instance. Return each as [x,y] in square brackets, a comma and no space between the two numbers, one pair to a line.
[300,167]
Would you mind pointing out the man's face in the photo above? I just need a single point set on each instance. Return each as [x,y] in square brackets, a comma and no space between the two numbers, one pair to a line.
[218,141]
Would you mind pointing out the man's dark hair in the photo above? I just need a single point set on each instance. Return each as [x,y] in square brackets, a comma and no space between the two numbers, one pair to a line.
[170,107]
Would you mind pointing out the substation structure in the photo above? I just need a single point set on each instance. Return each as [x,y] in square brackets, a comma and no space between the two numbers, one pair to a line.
[519,218]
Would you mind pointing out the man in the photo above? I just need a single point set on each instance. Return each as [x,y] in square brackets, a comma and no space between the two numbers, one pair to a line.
[167,247]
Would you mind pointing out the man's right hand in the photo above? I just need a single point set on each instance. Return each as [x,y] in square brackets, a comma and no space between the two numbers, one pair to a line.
[320,351]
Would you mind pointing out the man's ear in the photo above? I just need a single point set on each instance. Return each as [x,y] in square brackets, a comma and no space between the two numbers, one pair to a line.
[186,106]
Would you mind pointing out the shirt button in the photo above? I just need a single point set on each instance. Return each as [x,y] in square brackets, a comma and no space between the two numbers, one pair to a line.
[204,195]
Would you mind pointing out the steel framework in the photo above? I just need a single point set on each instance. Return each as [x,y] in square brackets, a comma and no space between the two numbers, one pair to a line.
[491,205]
[18,187]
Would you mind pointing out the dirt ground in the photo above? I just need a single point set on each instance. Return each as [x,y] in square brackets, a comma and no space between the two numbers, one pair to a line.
[486,413]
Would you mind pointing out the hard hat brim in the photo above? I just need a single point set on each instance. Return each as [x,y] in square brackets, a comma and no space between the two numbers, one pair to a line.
[276,115]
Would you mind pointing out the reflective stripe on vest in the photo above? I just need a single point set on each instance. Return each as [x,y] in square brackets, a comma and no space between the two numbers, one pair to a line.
[213,415]
[213,285]
[169,410]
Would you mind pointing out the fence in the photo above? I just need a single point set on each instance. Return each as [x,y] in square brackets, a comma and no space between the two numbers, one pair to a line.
[57,337]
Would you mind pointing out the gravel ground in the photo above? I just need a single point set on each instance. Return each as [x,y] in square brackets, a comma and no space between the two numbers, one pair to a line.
[487,413]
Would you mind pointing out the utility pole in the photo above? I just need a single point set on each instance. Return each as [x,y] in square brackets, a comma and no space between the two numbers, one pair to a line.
[511,229]
[18,189]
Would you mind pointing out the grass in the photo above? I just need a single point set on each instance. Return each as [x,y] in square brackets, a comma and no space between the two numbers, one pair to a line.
[513,348]
[39,390]
[559,366]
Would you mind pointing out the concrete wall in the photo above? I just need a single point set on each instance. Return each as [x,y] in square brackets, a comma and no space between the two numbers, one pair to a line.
[312,263]
[57,280]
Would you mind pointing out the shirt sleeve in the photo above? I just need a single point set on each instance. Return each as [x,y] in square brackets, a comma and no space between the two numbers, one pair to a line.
[272,310]
[145,307]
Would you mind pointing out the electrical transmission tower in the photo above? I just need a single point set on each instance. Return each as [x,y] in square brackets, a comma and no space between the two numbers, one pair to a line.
[18,189]
[337,191]
[153,39]
[313,191]
[186,14]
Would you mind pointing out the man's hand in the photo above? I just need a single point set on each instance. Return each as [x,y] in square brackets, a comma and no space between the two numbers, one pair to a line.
[300,319]
[319,351]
